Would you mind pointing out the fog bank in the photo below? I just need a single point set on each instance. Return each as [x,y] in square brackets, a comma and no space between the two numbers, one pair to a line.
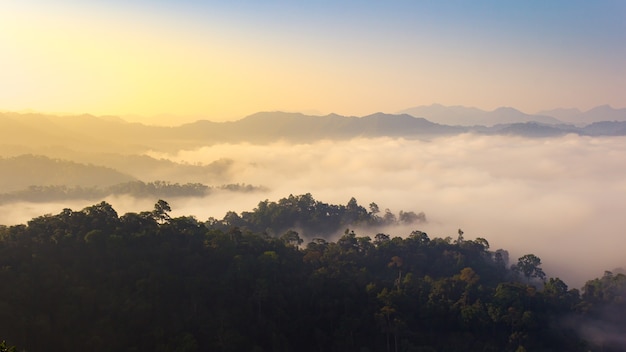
[562,199]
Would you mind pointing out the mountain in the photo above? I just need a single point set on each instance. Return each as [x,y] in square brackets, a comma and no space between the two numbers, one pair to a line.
[531,130]
[601,113]
[469,116]
[27,170]
[403,125]
[597,114]
[59,136]
[563,114]
[605,128]
[84,132]
[294,126]
[450,115]
[273,126]
[511,115]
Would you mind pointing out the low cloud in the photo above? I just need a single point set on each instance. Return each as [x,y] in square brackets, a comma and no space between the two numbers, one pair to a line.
[562,199]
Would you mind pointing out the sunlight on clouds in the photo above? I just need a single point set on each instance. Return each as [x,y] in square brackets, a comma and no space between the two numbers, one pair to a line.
[560,198]
[526,195]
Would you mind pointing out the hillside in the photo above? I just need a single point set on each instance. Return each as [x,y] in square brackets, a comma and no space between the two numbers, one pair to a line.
[27,170]
[94,280]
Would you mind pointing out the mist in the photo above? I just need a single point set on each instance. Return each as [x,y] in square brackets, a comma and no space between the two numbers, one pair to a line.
[562,199]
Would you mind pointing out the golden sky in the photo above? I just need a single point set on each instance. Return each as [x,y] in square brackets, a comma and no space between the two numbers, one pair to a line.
[225,61]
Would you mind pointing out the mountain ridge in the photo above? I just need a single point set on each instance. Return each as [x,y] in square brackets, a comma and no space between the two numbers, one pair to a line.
[106,134]
[471,116]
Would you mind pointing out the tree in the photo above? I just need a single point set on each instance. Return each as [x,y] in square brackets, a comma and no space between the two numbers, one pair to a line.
[227,287]
[555,287]
[410,217]
[381,238]
[292,238]
[397,263]
[501,258]
[483,242]
[419,236]
[529,266]
[389,218]
[460,239]
[161,210]
[374,208]
[5,348]
[348,241]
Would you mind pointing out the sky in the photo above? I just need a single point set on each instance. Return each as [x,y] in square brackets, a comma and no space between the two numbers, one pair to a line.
[170,61]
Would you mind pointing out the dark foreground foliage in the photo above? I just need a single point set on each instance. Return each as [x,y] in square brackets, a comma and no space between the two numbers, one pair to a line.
[91,280]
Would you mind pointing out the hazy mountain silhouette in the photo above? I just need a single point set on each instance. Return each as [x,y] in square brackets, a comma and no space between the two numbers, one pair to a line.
[32,133]
[83,132]
[28,170]
[532,129]
[272,126]
[469,116]
[402,125]
[606,128]
[563,114]
[597,114]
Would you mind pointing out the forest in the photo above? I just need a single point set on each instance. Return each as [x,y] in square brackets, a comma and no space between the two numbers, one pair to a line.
[290,275]
[136,189]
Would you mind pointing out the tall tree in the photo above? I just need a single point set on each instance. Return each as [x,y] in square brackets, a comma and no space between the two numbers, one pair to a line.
[529,265]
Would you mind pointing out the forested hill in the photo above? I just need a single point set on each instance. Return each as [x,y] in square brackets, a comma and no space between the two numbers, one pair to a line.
[20,172]
[92,280]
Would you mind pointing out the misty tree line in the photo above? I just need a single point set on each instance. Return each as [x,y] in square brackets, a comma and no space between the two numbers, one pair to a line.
[93,280]
[312,218]
[137,189]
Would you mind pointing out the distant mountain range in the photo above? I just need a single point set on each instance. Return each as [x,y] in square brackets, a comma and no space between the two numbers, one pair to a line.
[266,127]
[26,133]
[580,118]
[69,156]
[272,126]
[468,116]
[465,116]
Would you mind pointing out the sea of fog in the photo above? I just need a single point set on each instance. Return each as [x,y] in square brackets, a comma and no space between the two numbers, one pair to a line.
[563,199]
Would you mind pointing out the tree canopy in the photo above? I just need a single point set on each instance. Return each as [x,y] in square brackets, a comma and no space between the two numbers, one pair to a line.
[93,280]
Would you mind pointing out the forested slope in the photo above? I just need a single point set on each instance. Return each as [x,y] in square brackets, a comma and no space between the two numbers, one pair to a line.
[92,280]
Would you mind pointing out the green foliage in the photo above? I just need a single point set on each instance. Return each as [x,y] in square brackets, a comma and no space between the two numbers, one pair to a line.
[5,348]
[311,218]
[94,281]
[529,266]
